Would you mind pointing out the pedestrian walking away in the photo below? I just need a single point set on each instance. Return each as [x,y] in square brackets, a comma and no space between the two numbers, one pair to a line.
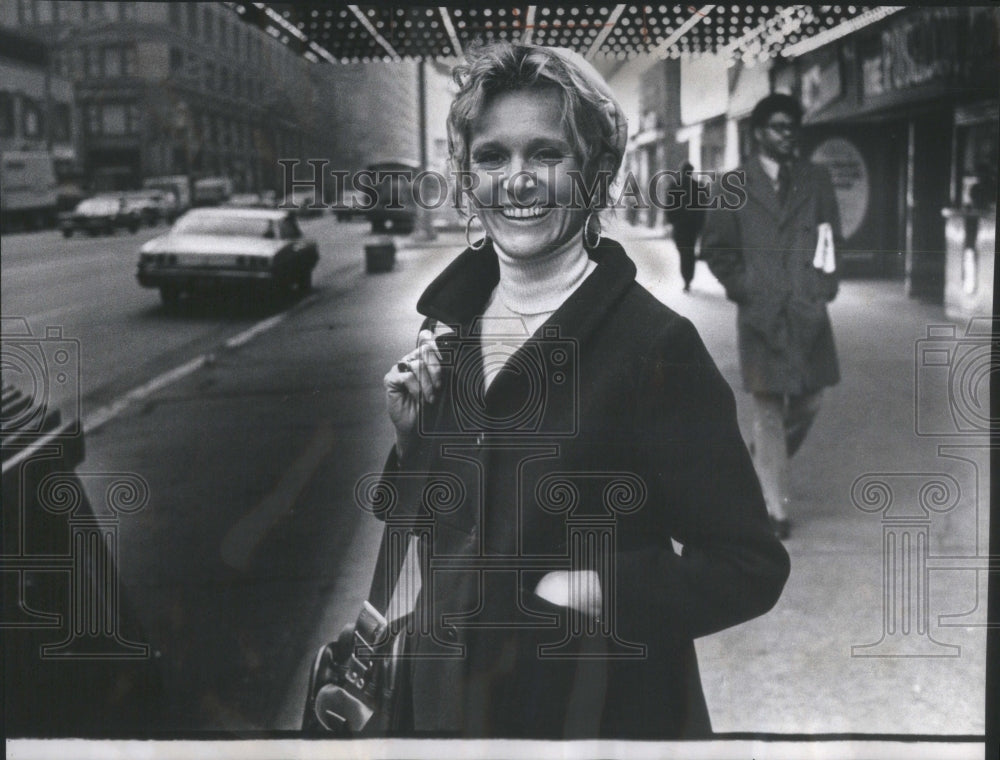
[547,385]
[686,220]
[776,258]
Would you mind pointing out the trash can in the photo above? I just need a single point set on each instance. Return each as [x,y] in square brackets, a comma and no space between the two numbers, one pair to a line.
[380,254]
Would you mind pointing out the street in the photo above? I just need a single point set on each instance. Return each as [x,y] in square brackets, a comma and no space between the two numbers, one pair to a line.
[251,551]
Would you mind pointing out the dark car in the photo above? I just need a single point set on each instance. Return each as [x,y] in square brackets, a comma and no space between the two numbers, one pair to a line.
[395,210]
[210,248]
[102,214]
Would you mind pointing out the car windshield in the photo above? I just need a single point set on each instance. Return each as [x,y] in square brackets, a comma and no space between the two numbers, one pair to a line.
[212,224]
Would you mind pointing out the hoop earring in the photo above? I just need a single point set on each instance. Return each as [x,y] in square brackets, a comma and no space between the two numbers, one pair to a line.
[468,232]
[586,228]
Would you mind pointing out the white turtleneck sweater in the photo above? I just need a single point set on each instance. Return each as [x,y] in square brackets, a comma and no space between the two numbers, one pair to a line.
[529,292]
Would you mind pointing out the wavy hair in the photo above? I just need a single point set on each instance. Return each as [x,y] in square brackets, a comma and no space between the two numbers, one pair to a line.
[506,67]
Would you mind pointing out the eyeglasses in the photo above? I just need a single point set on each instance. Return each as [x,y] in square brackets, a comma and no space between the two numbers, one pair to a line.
[787,127]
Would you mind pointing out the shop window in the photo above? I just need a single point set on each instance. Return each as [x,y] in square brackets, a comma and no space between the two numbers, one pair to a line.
[31,118]
[6,114]
[977,166]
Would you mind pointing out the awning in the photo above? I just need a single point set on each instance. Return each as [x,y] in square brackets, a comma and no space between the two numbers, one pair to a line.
[751,33]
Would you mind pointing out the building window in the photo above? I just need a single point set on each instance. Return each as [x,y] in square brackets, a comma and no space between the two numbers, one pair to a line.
[209,26]
[175,15]
[90,65]
[129,61]
[192,14]
[43,11]
[6,114]
[113,121]
[61,122]
[112,62]
[31,118]
[92,119]
[210,76]
[126,11]
[176,61]
[224,80]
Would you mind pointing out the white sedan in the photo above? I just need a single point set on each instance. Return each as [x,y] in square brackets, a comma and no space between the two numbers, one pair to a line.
[209,248]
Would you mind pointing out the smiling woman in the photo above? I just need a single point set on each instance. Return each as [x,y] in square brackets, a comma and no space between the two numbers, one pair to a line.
[556,428]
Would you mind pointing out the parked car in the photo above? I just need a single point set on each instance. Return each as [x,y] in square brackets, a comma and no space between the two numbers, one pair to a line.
[102,214]
[153,206]
[394,191]
[248,200]
[211,248]
[211,191]
[178,186]
[350,206]
[303,199]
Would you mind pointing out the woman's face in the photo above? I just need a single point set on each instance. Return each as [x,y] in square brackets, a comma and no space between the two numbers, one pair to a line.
[521,132]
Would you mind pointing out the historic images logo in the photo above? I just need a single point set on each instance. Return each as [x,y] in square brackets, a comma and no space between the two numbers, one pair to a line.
[55,540]
[951,401]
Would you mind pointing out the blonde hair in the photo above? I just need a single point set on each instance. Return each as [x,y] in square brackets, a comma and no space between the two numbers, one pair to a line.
[506,67]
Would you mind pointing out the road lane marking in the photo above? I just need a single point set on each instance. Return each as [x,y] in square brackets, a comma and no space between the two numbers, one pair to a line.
[246,535]
[112,410]
[247,335]
[107,413]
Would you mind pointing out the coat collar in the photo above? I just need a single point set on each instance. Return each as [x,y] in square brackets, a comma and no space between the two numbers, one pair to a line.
[460,293]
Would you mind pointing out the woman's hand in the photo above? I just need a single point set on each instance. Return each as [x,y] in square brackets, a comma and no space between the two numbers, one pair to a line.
[579,589]
[413,380]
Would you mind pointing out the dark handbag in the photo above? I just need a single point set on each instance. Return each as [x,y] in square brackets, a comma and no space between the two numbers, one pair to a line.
[358,681]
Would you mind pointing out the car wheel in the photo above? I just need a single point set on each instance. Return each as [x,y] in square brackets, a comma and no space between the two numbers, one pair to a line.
[170,295]
[67,232]
[133,227]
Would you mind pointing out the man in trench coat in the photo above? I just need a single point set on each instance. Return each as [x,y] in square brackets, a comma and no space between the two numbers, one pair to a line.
[765,255]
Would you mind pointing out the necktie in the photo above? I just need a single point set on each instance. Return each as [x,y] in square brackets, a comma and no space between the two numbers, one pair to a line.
[784,183]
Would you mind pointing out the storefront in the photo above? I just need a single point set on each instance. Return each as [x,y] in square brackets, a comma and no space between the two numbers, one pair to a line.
[901,112]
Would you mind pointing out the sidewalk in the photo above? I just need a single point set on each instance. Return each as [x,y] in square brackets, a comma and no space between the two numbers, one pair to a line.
[792,670]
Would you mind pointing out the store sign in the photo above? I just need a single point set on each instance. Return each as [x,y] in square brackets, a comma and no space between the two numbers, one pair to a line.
[917,50]
[821,82]
[849,172]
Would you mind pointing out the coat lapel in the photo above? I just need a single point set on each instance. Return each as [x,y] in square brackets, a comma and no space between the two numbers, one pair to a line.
[760,188]
[460,294]
[800,193]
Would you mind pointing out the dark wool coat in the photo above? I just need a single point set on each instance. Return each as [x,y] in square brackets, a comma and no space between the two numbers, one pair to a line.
[613,412]
[762,254]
